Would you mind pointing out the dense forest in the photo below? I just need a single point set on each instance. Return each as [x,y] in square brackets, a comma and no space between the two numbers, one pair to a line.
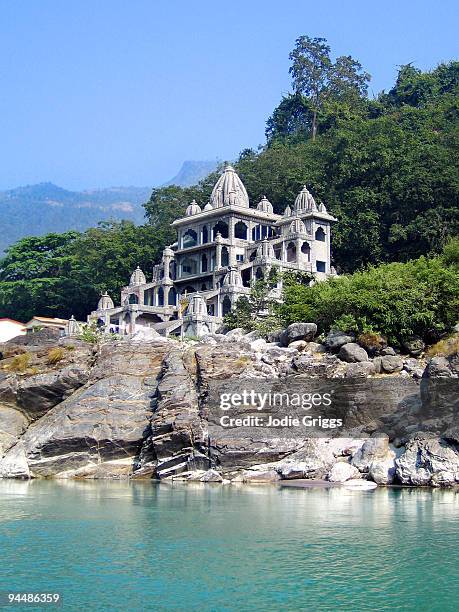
[386,168]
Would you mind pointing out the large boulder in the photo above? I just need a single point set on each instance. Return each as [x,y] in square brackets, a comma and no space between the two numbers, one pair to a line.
[352,353]
[376,459]
[298,331]
[428,461]
[335,340]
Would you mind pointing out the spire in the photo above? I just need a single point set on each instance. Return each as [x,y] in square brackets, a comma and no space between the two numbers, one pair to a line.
[229,190]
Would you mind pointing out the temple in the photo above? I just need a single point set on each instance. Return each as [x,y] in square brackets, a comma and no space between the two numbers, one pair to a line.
[221,250]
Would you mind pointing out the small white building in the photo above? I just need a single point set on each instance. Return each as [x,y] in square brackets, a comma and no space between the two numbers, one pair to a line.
[37,323]
[9,328]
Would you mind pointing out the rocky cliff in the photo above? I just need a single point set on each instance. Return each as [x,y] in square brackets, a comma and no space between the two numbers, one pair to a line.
[148,409]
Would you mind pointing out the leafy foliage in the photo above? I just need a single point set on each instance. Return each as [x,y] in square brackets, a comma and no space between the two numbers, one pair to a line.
[420,297]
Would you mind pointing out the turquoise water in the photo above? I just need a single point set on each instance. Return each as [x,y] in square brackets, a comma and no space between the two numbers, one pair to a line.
[119,546]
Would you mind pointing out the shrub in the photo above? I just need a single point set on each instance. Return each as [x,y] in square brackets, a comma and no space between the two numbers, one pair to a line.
[397,300]
[55,355]
[447,347]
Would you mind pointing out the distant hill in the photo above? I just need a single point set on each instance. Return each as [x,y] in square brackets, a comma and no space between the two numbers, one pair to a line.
[43,208]
[192,172]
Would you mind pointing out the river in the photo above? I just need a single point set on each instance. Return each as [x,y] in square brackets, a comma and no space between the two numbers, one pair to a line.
[143,546]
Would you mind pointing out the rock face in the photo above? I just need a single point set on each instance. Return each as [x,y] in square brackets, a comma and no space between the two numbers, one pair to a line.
[428,461]
[143,409]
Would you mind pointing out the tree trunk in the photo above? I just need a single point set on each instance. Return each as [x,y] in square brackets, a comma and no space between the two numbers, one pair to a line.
[314,125]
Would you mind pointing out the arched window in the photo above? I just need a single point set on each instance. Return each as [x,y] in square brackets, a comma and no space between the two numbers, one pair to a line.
[306,250]
[190,239]
[172,300]
[133,299]
[188,267]
[203,287]
[246,277]
[278,252]
[225,257]
[205,235]
[253,254]
[240,230]
[220,227]
[226,306]
[160,296]
[259,274]
[291,252]
[203,262]
[256,233]
[320,234]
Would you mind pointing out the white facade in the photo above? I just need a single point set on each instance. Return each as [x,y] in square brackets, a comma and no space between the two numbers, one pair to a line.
[221,250]
[10,329]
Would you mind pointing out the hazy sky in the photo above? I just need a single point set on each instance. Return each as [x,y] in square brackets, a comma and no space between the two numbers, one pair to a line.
[107,92]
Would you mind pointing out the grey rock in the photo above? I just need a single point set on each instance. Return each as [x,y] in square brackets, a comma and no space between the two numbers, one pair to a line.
[360,370]
[389,350]
[274,336]
[211,476]
[374,449]
[298,331]
[437,367]
[342,471]
[352,353]
[414,345]
[391,364]
[428,461]
[335,340]
[235,333]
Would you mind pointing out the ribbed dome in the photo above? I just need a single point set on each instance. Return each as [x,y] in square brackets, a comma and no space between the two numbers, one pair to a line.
[297,227]
[193,209]
[208,206]
[105,302]
[287,211]
[138,277]
[229,190]
[264,205]
[304,201]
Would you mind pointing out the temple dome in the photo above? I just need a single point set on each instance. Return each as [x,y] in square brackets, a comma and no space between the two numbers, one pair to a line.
[208,206]
[297,227]
[193,209]
[287,211]
[304,201]
[229,190]
[138,277]
[105,302]
[264,205]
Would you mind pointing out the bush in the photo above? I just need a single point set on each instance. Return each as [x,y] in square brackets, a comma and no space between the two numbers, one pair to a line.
[397,300]
[447,347]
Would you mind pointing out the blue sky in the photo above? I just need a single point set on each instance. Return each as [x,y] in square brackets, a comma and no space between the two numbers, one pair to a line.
[109,92]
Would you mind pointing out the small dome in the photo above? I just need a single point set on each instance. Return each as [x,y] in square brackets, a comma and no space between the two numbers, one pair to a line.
[264,205]
[297,227]
[208,206]
[197,305]
[304,201]
[229,190]
[193,209]
[168,252]
[321,207]
[138,277]
[105,302]
[287,211]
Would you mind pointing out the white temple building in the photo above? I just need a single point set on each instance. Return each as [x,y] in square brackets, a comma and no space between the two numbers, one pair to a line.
[221,250]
